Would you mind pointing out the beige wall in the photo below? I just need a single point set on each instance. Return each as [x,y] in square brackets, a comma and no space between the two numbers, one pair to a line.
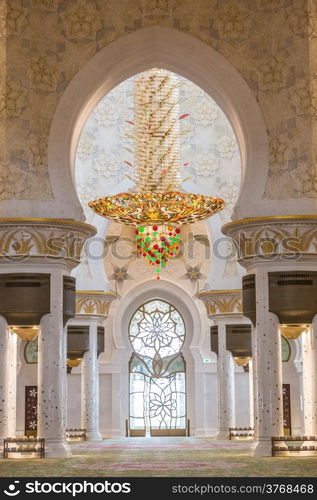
[271,44]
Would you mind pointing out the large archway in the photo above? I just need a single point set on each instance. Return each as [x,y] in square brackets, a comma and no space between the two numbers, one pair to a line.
[209,163]
[175,51]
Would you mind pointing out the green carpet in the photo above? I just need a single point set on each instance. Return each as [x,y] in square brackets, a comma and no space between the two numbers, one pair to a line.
[159,457]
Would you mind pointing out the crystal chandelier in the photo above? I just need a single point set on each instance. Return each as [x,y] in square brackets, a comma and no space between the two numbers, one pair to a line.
[157,207]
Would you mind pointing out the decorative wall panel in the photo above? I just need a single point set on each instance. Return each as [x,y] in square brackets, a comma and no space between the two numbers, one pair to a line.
[30,410]
[271,44]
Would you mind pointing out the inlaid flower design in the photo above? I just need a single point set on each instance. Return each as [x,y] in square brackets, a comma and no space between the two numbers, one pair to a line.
[81,21]
[33,424]
[163,404]
[33,393]
[157,328]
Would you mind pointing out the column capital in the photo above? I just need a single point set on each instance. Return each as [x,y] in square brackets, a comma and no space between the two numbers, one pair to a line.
[222,302]
[92,304]
[48,241]
[282,238]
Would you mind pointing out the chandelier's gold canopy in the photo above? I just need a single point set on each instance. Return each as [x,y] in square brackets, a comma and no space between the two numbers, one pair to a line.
[242,361]
[157,205]
[73,363]
[26,333]
[172,207]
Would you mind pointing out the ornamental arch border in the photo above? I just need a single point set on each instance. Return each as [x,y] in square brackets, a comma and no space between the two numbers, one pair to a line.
[157,46]
[120,317]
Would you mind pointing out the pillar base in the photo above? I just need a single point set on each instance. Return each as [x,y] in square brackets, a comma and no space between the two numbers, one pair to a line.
[58,449]
[253,445]
[93,436]
[263,448]
[223,435]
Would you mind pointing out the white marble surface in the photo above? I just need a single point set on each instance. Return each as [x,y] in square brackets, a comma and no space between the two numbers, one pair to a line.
[52,373]
[226,384]
[90,387]
[268,374]
[8,373]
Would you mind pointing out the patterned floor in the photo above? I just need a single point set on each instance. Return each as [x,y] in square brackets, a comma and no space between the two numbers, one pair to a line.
[169,457]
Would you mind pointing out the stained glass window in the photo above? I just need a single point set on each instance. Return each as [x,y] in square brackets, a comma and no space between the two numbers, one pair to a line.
[286,349]
[31,351]
[157,368]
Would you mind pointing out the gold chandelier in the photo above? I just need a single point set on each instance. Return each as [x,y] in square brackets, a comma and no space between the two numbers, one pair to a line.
[26,333]
[74,362]
[242,361]
[157,206]
[171,207]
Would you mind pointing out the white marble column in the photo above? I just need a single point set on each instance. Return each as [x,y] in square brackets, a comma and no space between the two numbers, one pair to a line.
[226,394]
[254,389]
[64,360]
[8,384]
[98,400]
[251,393]
[268,373]
[90,387]
[314,375]
[52,373]
[309,349]
[12,384]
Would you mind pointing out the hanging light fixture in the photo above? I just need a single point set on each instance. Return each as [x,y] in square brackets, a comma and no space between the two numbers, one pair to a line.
[74,362]
[293,331]
[157,207]
[242,361]
[26,332]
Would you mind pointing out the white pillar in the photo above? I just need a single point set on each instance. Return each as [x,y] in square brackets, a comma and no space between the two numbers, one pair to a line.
[251,393]
[12,384]
[268,373]
[309,347]
[8,374]
[254,382]
[226,395]
[64,360]
[52,374]
[314,375]
[98,400]
[90,388]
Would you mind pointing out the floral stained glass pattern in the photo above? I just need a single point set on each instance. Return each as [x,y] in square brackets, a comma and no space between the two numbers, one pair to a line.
[157,368]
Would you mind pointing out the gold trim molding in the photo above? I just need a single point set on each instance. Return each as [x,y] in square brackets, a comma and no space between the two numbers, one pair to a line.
[267,218]
[94,302]
[40,220]
[222,301]
[287,237]
[46,239]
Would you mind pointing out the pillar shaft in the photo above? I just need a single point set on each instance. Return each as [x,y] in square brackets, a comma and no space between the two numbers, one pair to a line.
[268,373]
[52,374]
[314,375]
[8,381]
[251,393]
[90,388]
[254,388]
[64,360]
[309,348]
[226,394]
